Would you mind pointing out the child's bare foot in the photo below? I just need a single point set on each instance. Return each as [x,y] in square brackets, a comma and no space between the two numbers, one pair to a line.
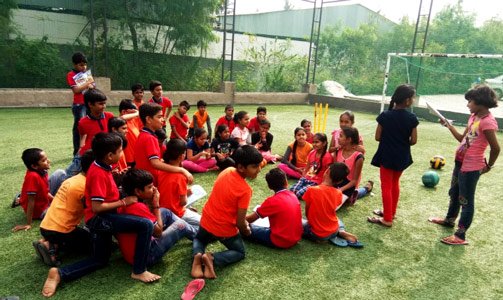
[51,283]
[348,236]
[146,277]
[209,271]
[197,266]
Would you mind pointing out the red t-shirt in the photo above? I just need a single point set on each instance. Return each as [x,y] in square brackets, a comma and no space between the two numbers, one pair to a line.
[90,126]
[321,202]
[127,241]
[147,148]
[77,98]
[254,125]
[314,163]
[230,123]
[100,186]
[171,186]
[230,193]
[285,217]
[177,125]
[165,103]
[35,184]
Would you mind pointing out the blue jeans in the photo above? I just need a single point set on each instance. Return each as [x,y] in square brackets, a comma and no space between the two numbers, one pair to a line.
[174,230]
[55,181]
[309,234]
[261,235]
[79,111]
[235,245]
[75,167]
[102,227]
[462,195]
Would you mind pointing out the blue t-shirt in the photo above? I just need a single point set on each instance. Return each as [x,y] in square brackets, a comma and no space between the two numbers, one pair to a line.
[196,149]
[394,148]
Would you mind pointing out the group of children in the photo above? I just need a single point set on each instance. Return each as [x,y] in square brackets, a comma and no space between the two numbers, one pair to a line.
[135,184]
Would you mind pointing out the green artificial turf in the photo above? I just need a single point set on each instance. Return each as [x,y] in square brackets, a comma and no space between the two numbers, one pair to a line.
[406,261]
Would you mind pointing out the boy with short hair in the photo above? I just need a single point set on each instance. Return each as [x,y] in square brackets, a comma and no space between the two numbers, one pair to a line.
[147,150]
[228,118]
[60,227]
[284,213]
[180,122]
[127,106]
[100,215]
[79,109]
[322,200]
[168,228]
[38,189]
[137,90]
[224,215]
[173,186]
[200,118]
[254,125]
[157,97]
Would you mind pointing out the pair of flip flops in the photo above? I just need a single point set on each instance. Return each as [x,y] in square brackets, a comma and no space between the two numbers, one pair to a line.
[441,222]
[15,201]
[454,240]
[192,288]
[340,242]
[45,255]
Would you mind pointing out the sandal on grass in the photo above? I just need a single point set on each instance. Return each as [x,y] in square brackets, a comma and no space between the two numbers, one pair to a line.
[338,241]
[378,212]
[453,240]
[379,221]
[440,221]
[48,256]
[356,244]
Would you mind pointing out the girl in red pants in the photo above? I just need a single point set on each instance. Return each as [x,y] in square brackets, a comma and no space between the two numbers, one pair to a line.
[396,132]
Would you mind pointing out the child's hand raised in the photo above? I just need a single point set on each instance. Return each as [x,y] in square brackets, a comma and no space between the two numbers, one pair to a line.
[155,199]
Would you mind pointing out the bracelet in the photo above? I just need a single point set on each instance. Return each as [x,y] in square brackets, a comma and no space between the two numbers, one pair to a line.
[123,202]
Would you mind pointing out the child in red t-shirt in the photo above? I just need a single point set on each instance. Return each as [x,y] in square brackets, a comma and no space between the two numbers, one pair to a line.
[147,151]
[173,186]
[224,215]
[284,213]
[254,125]
[38,189]
[168,228]
[228,118]
[322,200]
[180,122]
[157,97]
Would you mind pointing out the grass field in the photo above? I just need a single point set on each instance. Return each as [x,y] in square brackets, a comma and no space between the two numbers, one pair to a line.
[403,262]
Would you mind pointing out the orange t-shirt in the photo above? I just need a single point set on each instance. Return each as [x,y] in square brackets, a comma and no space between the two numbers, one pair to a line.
[133,130]
[321,202]
[201,120]
[230,193]
[171,186]
[301,153]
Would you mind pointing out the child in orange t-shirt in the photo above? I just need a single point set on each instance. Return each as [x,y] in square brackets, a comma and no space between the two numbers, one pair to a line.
[322,200]
[134,126]
[224,215]
[173,186]
[200,119]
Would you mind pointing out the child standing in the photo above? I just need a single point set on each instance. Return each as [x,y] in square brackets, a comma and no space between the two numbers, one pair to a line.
[199,158]
[180,122]
[147,152]
[200,119]
[79,109]
[295,158]
[283,211]
[228,118]
[168,228]
[222,147]
[396,132]
[157,97]
[470,162]
[262,140]
[138,91]
[173,187]
[224,215]
[254,125]
[346,120]
[306,124]
[241,133]
[321,202]
[38,189]
[318,161]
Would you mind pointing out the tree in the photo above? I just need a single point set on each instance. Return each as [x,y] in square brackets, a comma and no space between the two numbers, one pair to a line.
[6,7]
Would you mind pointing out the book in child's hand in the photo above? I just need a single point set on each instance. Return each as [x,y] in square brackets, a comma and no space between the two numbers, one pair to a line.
[84,78]
[198,192]
[263,222]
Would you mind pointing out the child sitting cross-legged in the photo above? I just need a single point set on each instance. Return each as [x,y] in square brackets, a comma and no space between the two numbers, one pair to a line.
[223,146]
[322,200]
[262,140]
[283,211]
[199,158]
[173,186]
[224,215]
[168,228]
